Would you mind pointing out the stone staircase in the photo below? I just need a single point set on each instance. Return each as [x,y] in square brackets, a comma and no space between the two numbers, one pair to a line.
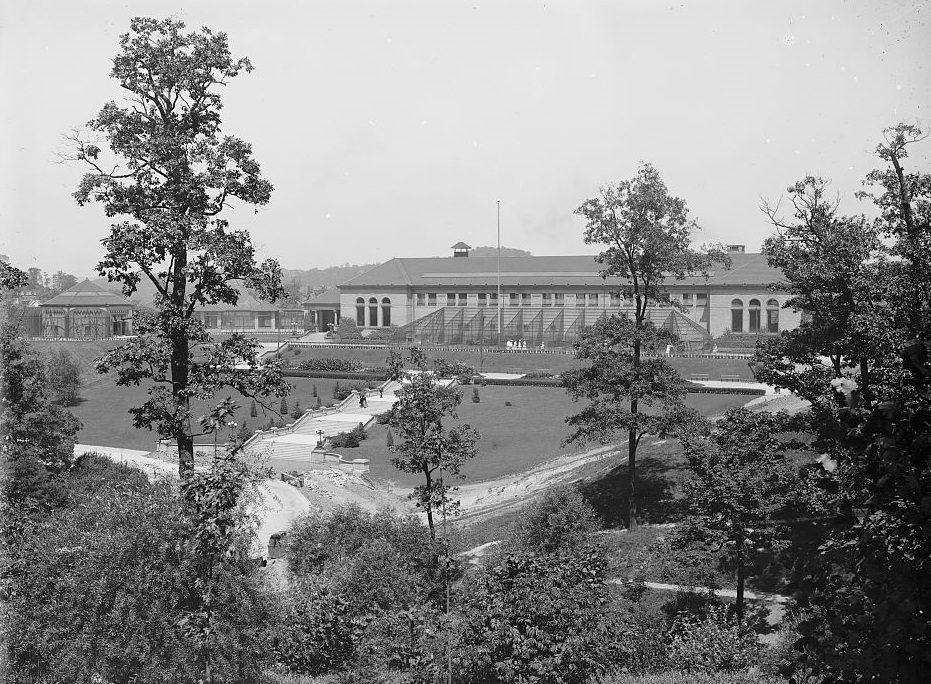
[295,445]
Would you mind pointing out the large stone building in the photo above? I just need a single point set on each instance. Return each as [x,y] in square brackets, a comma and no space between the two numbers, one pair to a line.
[547,300]
[86,311]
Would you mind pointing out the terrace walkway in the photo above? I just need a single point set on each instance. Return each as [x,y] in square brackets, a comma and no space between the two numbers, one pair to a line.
[293,447]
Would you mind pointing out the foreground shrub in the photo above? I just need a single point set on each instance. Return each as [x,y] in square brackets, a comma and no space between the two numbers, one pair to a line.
[376,560]
[714,642]
[315,633]
[103,588]
[537,618]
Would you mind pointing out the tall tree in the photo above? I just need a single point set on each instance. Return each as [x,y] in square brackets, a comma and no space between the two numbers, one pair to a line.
[837,272]
[865,609]
[905,201]
[423,446]
[171,176]
[647,235]
[740,483]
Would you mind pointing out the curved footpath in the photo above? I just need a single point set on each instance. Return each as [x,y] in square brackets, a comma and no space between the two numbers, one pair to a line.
[274,505]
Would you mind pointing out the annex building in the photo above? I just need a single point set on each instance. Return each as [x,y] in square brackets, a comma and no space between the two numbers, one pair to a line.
[548,300]
[86,311]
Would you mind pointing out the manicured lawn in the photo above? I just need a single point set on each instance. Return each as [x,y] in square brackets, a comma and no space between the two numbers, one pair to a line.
[104,406]
[513,438]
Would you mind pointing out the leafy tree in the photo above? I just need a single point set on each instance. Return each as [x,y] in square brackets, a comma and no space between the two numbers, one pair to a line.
[835,269]
[423,446]
[62,281]
[865,613]
[618,384]
[866,287]
[64,376]
[905,201]
[560,521]
[171,176]
[37,435]
[647,234]
[740,483]
[11,278]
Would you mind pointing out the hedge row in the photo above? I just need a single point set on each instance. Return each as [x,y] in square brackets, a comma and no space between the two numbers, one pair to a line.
[374,374]
[520,382]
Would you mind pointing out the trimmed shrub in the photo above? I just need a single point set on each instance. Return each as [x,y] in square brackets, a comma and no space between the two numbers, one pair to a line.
[253,410]
[329,364]
[475,397]
[283,407]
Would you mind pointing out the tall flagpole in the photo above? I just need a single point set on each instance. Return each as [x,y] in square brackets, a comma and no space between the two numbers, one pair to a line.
[500,303]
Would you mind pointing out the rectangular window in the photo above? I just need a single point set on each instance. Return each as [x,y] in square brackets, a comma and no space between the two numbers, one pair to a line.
[494,299]
[431,299]
[421,299]
[265,320]
[580,299]
[701,299]
[593,299]
[450,299]
[547,299]
[687,302]
[463,299]
[615,300]
[514,299]
[211,320]
[525,299]
[482,299]
[560,299]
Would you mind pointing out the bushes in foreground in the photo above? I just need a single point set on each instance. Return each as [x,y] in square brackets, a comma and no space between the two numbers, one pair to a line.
[103,590]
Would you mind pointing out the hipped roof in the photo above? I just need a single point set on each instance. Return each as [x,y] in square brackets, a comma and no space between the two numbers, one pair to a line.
[87,293]
[440,272]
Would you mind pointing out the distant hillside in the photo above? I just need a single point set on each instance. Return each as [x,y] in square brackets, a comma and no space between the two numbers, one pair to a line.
[493,251]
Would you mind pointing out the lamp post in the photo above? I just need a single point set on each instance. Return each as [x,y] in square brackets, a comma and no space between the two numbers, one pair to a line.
[319,438]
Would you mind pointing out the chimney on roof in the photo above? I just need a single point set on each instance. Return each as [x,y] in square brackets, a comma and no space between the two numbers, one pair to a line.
[461,249]
[736,249]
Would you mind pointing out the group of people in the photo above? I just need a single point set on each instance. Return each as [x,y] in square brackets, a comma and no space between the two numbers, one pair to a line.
[363,394]
[520,344]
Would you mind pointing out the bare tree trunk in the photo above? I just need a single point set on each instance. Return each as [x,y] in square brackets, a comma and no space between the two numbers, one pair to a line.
[632,442]
[429,506]
[741,579]
[632,472]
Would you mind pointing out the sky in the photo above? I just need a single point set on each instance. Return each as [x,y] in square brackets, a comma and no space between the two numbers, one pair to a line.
[393,129]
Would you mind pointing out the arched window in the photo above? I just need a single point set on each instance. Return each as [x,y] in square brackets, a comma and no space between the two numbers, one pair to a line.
[772,316]
[385,311]
[360,311]
[737,316]
[755,315]
[373,312]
